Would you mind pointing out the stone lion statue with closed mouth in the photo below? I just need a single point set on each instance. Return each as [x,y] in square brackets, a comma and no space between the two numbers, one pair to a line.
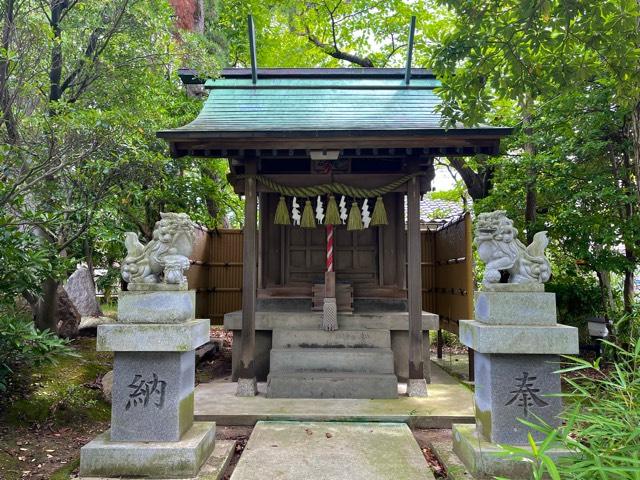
[499,248]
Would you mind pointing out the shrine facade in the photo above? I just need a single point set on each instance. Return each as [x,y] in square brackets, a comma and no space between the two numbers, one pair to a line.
[332,164]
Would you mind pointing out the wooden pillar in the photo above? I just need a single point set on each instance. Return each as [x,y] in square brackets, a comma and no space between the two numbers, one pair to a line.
[416,385]
[472,368]
[246,372]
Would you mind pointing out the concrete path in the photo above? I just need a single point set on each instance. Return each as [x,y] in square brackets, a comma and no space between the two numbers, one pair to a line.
[448,402]
[331,451]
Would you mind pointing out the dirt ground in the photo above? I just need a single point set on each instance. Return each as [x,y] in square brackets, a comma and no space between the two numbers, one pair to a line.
[423,437]
[61,408]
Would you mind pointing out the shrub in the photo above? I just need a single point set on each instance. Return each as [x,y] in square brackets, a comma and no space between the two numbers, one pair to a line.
[602,427]
[23,346]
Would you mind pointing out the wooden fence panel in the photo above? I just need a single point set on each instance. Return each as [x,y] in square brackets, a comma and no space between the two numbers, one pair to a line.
[428,271]
[198,273]
[453,273]
[216,273]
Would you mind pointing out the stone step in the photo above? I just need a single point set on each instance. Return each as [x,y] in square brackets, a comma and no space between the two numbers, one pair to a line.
[271,320]
[331,385]
[323,339]
[357,360]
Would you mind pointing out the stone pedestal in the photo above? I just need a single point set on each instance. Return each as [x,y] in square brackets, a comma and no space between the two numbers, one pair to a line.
[517,343]
[152,433]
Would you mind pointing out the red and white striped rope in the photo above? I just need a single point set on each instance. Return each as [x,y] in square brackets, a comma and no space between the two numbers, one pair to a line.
[329,248]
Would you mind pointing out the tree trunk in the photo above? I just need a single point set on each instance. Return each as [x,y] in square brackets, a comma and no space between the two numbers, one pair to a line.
[45,309]
[608,302]
[88,256]
[478,183]
[6,102]
[530,211]
[628,289]
[55,70]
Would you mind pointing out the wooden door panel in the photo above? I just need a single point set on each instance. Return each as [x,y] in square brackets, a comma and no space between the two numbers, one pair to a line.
[355,255]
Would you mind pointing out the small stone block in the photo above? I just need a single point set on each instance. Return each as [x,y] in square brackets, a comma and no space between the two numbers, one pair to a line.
[480,459]
[247,387]
[540,340]
[416,387]
[152,337]
[513,387]
[105,458]
[156,306]
[152,399]
[516,308]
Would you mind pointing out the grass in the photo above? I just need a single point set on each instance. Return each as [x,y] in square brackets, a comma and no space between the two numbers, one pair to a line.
[58,394]
[65,472]
[10,466]
[59,407]
[109,309]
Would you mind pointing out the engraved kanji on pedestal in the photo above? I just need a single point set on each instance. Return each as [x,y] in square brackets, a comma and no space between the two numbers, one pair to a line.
[152,433]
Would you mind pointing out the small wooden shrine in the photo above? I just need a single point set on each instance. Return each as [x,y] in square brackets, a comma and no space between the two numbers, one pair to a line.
[332,164]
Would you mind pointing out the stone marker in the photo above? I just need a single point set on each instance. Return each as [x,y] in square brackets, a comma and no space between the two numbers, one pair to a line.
[152,433]
[517,343]
[82,292]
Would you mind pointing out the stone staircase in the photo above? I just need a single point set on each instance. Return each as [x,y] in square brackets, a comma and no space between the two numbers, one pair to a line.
[342,364]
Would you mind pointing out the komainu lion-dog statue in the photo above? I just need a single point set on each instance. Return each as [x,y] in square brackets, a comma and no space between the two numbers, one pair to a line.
[166,257]
[501,251]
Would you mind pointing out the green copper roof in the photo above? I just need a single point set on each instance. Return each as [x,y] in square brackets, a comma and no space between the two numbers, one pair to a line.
[317,100]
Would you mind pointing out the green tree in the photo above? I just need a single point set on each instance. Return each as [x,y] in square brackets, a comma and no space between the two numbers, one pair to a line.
[510,62]
[297,33]
[83,88]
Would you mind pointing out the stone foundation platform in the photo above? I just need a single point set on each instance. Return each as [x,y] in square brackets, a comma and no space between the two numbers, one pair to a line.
[103,458]
[481,460]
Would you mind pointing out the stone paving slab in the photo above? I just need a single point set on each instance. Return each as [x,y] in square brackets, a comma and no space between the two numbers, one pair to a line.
[213,468]
[447,402]
[331,451]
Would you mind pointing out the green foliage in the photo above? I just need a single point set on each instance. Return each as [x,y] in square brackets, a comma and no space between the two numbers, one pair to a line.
[577,296]
[25,262]
[87,86]
[297,33]
[566,77]
[626,329]
[23,347]
[62,392]
[602,422]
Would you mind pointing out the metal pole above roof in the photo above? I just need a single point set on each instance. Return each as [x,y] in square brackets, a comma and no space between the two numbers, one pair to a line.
[412,30]
[252,50]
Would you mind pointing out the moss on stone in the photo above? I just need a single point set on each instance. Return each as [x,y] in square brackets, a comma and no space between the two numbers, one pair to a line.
[185,413]
[483,419]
